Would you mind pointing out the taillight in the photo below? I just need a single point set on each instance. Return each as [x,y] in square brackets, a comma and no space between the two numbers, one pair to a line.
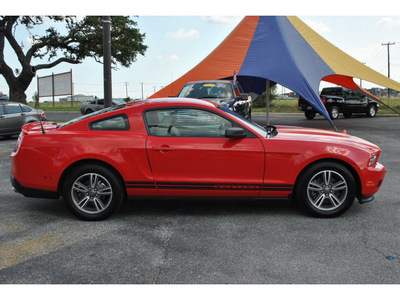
[323,100]
[18,144]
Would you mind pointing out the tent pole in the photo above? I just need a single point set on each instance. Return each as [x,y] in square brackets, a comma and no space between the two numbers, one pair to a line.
[267,100]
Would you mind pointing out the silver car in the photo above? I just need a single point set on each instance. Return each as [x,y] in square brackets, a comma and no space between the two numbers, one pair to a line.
[13,115]
[97,104]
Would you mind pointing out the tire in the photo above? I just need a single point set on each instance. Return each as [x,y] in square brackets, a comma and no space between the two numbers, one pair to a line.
[92,192]
[309,114]
[326,190]
[347,114]
[371,110]
[334,112]
[88,111]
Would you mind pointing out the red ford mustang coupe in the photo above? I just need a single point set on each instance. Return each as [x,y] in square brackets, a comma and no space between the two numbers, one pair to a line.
[190,148]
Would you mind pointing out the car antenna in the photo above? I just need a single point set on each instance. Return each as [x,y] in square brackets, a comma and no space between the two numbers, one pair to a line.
[40,119]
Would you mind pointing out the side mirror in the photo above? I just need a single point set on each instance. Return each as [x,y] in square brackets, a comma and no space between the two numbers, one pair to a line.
[271,131]
[235,133]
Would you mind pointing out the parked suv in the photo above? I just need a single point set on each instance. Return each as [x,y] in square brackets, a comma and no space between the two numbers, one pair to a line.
[341,100]
[222,92]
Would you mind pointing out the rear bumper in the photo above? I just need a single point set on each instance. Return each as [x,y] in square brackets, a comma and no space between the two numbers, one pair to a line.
[30,192]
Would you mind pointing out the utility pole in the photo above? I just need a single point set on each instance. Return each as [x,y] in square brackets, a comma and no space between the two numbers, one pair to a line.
[126,89]
[142,91]
[388,51]
[107,60]
[360,78]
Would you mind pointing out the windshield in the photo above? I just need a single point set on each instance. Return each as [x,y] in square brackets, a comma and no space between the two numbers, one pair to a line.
[261,130]
[96,113]
[118,101]
[203,90]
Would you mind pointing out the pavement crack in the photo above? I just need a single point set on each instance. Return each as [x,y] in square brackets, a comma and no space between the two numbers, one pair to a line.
[368,247]
[166,233]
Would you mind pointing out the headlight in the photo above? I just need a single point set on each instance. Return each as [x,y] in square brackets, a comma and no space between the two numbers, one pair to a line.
[373,160]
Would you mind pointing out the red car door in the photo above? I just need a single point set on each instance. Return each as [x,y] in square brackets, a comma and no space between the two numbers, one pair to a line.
[190,155]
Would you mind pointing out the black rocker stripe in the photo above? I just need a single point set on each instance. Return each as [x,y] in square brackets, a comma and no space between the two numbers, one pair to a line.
[207,186]
[277,187]
[140,185]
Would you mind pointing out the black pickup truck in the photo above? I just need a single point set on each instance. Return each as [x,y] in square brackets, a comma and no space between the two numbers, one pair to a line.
[341,100]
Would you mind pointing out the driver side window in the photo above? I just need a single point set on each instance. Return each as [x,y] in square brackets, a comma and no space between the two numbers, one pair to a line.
[186,122]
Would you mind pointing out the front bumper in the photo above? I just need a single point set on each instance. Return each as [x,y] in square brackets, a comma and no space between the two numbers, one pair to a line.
[373,179]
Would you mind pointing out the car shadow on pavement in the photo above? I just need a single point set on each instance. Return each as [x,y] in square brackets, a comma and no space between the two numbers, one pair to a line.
[206,207]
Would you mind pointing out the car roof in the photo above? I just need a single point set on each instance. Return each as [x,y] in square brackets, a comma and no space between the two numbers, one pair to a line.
[171,101]
[208,81]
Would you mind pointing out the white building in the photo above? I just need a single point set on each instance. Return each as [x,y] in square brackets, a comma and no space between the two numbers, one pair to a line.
[79,97]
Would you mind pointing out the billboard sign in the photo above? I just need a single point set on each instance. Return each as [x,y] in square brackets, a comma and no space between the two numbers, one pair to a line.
[55,85]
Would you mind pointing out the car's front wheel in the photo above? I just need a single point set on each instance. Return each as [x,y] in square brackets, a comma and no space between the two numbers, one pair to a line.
[92,192]
[326,189]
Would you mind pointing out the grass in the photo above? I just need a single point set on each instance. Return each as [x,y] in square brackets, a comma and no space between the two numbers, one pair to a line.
[276,106]
[290,106]
[58,106]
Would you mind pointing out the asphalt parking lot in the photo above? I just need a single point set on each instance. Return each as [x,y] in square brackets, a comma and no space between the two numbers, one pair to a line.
[235,241]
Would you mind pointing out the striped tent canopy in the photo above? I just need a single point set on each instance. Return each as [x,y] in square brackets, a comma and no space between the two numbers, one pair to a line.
[284,50]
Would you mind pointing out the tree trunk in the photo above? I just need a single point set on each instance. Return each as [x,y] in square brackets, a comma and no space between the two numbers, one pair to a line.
[17,94]
[19,85]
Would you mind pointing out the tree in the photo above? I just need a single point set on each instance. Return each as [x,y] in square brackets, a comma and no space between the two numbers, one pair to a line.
[261,100]
[83,39]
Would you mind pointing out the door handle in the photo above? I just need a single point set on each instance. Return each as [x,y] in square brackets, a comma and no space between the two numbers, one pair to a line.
[162,148]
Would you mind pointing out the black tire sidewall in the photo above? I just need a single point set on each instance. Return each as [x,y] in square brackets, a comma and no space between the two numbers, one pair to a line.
[118,194]
[306,177]
[331,112]
[369,111]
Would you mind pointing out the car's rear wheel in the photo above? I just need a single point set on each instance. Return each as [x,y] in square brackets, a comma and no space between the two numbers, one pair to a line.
[371,110]
[92,192]
[309,114]
[326,189]
[334,112]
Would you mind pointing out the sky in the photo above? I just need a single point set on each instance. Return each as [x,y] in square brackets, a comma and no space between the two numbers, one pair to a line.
[178,39]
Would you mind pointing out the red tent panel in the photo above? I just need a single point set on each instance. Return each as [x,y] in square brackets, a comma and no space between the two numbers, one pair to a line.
[229,55]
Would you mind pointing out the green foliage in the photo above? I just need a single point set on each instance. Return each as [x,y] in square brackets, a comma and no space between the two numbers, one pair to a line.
[81,38]
[84,38]
[261,100]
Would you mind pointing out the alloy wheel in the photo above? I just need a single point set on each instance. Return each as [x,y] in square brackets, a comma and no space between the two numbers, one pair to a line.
[91,193]
[327,190]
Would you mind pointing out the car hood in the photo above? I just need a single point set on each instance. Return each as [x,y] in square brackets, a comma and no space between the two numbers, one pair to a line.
[320,135]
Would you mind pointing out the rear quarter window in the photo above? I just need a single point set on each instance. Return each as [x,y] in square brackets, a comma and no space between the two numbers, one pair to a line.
[113,123]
